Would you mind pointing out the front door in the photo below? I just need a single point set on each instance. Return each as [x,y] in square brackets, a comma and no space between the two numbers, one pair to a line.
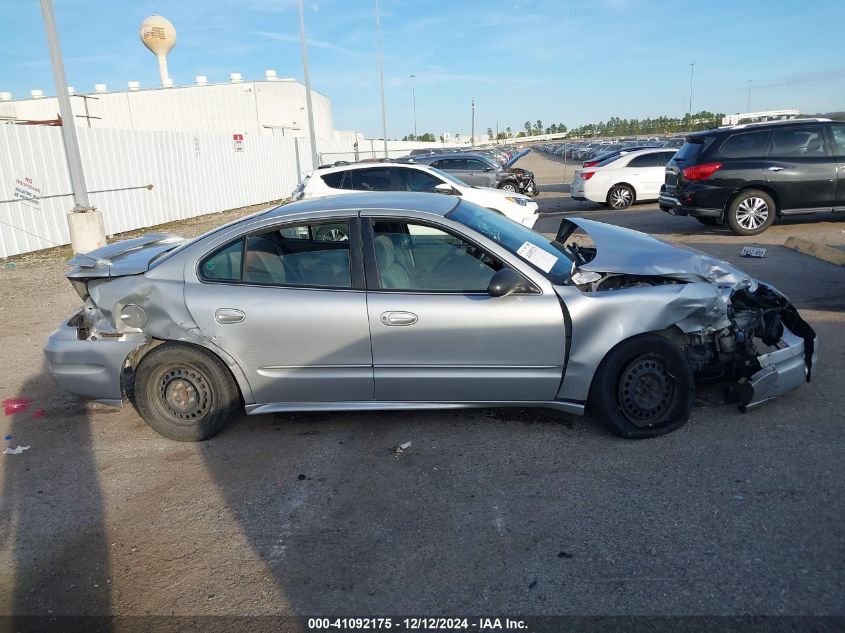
[288,304]
[799,168]
[438,336]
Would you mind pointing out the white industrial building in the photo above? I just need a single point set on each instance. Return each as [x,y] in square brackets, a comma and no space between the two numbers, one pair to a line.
[269,107]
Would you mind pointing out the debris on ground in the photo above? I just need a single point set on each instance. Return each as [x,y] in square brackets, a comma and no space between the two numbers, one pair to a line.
[301,477]
[533,584]
[16,451]
[15,405]
[402,448]
[564,555]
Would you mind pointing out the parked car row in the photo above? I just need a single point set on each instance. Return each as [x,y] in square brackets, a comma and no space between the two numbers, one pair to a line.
[579,151]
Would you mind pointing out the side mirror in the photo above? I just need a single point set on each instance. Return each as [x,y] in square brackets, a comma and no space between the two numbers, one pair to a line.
[489,169]
[506,282]
[444,188]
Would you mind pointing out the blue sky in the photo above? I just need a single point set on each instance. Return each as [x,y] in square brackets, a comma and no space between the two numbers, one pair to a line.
[558,61]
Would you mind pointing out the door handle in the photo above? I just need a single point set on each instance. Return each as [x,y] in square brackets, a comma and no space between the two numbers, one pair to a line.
[398,318]
[228,315]
[776,168]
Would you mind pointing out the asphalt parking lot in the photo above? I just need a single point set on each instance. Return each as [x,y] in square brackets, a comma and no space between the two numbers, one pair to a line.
[488,512]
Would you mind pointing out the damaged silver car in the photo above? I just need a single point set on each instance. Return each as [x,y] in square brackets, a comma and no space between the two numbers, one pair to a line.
[419,301]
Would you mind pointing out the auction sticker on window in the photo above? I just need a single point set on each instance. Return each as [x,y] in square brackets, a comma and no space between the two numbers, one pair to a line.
[537,256]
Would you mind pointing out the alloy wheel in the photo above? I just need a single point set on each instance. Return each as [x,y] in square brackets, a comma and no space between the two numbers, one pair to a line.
[752,213]
[621,198]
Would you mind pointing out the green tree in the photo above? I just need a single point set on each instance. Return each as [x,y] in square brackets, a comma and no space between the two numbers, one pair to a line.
[508,130]
[527,126]
[428,137]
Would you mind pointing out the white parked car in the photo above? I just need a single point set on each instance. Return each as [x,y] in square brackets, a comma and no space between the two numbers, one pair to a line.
[623,180]
[363,177]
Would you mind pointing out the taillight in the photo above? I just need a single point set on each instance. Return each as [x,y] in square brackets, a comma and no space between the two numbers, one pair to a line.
[701,172]
[591,163]
[586,175]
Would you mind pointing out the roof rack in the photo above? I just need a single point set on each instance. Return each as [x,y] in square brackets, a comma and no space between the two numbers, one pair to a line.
[740,126]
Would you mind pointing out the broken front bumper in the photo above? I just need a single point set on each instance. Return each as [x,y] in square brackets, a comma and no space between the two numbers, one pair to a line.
[90,369]
[783,369]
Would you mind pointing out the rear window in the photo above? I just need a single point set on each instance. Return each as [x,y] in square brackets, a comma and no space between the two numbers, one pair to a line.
[690,151]
[745,145]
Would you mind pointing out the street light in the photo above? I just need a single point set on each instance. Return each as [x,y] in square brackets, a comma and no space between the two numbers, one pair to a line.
[381,79]
[748,105]
[85,223]
[312,136]
[414,97]
[691,73]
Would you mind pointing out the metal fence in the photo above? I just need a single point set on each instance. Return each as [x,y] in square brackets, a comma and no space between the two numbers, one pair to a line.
[190,174]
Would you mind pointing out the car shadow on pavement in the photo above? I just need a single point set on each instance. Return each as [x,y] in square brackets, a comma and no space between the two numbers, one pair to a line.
[52,529]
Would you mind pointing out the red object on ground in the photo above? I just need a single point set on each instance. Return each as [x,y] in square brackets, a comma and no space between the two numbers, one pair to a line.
[38,413]
[16,405]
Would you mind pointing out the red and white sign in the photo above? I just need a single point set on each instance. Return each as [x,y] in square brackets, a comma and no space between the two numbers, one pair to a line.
[238,141]
[28,191]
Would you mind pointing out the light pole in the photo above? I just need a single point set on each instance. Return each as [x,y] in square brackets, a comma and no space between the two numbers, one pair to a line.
[85,223]
[381,79]
[414,98]
[472,136]
[748,105]
[312,136]
[691,73]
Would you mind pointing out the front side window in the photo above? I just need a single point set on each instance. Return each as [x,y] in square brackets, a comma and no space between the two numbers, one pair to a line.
[421,258]
[307,255]
[745,145]
[838,130]
[476,165]
[417,180]
[799,142]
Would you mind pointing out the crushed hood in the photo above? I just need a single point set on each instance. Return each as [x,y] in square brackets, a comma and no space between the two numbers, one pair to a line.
[625,251]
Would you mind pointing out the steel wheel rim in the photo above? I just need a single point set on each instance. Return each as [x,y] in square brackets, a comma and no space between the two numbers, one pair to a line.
[184,394]
[752,213]
[646,391]
[620,198]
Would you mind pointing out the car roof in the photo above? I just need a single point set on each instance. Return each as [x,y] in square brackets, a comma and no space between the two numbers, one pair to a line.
[443,155]
[436,203]
[391,163]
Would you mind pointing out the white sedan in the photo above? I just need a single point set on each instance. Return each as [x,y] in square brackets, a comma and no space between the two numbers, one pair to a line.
[623,180]
[390,176]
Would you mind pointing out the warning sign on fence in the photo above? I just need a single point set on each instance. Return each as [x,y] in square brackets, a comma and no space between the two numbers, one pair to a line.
[28,191]
[238,140]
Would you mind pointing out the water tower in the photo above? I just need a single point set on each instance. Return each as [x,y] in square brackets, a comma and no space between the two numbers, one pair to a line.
[158,35]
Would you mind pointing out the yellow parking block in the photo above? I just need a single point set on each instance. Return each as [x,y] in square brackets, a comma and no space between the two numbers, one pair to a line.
[814,249]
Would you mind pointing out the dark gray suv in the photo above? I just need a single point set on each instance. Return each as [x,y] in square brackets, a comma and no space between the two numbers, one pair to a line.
[473,169]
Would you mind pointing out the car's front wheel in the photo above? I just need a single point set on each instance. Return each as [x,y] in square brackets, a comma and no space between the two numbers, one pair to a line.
[643,388]
[185,393]
[620,197]
[508,186]
[751,212]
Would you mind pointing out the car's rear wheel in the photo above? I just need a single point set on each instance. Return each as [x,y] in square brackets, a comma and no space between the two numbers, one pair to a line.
[185,393]
[707,220]
[643,388]
[751,212]
[620,197]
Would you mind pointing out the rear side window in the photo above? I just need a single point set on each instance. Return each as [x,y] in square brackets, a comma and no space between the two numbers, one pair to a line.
[745,145]
[646,160]
[335,180]
[797,142]
[223,264]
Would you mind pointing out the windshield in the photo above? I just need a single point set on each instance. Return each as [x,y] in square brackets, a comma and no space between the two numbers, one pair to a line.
[547,256]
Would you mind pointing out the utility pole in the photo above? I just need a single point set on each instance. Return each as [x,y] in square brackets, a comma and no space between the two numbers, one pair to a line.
[691,73]
[472,137]
[85,223]
[748,105]
[380,79]
[312,135]
[414,97]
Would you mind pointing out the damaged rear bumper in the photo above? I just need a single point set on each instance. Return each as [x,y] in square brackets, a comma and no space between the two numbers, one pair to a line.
[90,369]
[783,369]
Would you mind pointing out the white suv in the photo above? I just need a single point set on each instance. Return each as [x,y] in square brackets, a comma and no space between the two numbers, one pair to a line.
[363,177]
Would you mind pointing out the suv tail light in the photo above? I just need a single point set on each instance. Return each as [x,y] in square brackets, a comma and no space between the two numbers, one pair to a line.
[586,175]
[701,172]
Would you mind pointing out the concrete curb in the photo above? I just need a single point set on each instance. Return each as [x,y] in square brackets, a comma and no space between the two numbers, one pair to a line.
[814,249]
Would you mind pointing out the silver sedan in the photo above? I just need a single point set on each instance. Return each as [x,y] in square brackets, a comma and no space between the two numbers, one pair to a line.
[419,301]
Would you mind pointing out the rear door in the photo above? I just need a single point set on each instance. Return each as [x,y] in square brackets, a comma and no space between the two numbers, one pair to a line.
[438,335]
[800,169]
[837,137]
[288,304]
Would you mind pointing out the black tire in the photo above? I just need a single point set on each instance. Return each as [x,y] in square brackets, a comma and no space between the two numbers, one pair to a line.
[642,389]
[187,372]
[751,212]
[620,197]
[708,221]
